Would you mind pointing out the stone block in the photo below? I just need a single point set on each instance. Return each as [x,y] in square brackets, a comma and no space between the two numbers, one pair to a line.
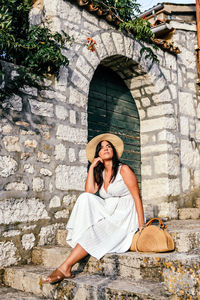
[13,103]
[80,81]
[45,172]
[22,210]
[71,134]
[72,117]
[61,112]
[146,102]
[62,214]
[30,144]
[184,125]
[55,202]
[166,164]
[149,149]
[28,168]
[108,43]
[28,241]
[160,110]
[60,152]
[77,98]
[47,235]
[61,237]
[69,200]
[38,184]
[41,108]
[118,39]
[158,124]
[70,177]
[168,210]
[197,203]
[188,213]
[44,157]
[166,135]
[16,186]
[185,179]
[11,143]
[8,166]
[187,153]
[72,155]
[186,104]
[8,254]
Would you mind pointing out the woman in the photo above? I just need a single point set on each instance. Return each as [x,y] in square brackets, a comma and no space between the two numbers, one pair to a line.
[105,224]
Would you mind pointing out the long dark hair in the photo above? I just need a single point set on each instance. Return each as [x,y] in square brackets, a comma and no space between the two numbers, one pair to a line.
[98,170]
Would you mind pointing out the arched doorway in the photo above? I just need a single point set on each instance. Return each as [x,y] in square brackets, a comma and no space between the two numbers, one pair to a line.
[111,108]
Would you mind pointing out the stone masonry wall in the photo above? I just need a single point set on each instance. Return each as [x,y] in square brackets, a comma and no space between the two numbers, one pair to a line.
[43,134]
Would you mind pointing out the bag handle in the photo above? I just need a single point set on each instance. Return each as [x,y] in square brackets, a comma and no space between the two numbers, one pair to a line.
[162,225]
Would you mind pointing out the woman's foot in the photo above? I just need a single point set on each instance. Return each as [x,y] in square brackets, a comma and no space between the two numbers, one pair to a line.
[57,276]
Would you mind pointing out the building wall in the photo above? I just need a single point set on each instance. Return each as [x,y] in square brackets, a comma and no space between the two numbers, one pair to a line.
[43,133]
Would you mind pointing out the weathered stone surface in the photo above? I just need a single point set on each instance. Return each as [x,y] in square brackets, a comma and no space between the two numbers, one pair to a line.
[30,143]
[41,108]
[45,172]
[188,213]
[47,234]
[61,112]
[71,134]
[186,104]
[28,241]
[70,177]
[83,286]
[61,237]
[72,155]
[44,157]
[14,103]
[22,210]
[77,98]
[8,166]
[160,110]
[60,152]
[168,209]
[13,294]
[82,156]
[69,200]
[55,202]
[166,164]
[16,186]
[38,184]
[62,214]
[11,143]
[28,168]
[8,254]
[158,124]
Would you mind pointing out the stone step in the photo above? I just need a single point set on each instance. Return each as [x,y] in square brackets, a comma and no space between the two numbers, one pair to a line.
[189,213]
[129,265]
[8,293]
[186,234]
[82,287]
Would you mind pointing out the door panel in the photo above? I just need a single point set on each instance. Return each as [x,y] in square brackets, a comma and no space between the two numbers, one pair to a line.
[111,108]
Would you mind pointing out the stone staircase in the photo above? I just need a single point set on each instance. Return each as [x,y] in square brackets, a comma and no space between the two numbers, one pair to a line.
[130,275]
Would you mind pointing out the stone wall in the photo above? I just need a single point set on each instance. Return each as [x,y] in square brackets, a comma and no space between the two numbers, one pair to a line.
[43,133]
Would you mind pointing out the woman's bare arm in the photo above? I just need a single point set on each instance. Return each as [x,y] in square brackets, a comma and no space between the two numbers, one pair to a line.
[90,184]
[131,181]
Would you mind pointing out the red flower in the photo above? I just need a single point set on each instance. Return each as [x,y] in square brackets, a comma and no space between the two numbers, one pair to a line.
[91,44]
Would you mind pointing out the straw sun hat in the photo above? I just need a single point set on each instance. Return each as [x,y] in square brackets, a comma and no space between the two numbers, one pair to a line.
[115,140]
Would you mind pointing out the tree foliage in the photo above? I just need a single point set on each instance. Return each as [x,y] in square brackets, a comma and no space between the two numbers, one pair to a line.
[126,11]
[34,49]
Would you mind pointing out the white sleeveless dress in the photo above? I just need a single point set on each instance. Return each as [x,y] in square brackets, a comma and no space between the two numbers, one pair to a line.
[104,224]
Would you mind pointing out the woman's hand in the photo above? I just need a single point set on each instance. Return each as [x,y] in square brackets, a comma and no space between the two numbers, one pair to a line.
[90,185]
[96,161]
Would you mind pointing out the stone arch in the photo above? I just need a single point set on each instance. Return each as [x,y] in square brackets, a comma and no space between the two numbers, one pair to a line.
[153,98]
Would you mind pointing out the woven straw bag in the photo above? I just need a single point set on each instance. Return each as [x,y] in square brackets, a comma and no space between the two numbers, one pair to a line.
[152,238]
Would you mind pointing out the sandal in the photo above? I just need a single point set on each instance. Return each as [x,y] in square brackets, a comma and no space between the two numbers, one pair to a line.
[55,277]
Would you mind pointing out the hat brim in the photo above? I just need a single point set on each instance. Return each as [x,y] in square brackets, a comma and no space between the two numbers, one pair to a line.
[114,139]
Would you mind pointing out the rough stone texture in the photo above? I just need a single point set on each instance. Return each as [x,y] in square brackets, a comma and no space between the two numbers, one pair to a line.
[22,210]
[8,254]
[8,166]
[47,234]
[43,137]
[68,178]
[28,241]
[188,213]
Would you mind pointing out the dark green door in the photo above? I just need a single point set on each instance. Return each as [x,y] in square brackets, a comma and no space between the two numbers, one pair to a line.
[111,108]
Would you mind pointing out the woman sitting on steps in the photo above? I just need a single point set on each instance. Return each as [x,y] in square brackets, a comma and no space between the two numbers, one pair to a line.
[105,224]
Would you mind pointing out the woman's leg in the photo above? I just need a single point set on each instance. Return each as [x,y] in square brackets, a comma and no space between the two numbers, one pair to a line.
[76,254]
[65,268]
